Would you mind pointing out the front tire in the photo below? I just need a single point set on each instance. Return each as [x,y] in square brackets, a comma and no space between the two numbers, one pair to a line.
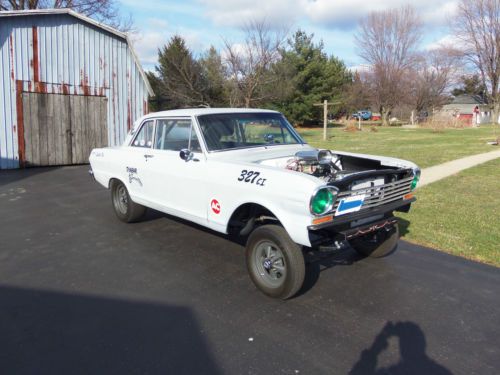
[125,208]
[378,244]
[275,263]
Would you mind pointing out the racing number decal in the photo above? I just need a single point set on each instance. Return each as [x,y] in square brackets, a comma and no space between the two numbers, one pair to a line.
[251,177]
[215,206]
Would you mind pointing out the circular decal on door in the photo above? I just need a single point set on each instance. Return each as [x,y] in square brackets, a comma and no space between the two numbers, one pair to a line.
[215,205]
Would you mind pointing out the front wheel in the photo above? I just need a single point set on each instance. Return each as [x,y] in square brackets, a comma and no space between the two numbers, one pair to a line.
[377,244]
[275,263]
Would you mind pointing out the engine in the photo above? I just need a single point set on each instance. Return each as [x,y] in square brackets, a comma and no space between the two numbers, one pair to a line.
[319,163]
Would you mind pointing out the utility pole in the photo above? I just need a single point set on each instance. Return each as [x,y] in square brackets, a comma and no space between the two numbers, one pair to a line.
[325,105]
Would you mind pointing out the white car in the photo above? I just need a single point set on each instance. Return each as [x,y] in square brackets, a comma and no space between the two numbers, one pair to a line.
[248,173]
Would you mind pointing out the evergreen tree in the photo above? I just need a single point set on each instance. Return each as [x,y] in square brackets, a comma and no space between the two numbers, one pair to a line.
[315,76]
[214,74]
[470,85]
[179,81]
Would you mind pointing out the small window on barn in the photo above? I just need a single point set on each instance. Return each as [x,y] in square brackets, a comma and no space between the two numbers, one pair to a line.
[145,136]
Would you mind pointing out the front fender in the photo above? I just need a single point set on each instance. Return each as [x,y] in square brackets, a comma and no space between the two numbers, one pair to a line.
[285,193]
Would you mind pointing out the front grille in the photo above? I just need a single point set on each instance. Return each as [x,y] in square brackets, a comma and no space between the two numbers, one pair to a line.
[378,195]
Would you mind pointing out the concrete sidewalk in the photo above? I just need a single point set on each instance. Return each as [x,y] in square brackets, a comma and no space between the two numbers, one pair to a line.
[433,174]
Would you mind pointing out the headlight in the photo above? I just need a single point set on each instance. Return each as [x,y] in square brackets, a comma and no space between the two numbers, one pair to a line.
[322,200]
[416,177]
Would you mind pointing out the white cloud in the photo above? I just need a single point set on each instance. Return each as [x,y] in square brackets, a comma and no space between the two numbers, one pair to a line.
[162,6]
[346,15]
[146,46]
[439,14]
[237,48]
[447,41]
[241,12]
[360,68]
[327,13]
[157,23]
[147,43]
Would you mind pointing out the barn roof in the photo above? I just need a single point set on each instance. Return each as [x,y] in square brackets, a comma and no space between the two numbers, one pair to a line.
[72,13]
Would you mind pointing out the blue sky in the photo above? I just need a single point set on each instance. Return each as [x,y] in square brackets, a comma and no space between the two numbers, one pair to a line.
[207,22]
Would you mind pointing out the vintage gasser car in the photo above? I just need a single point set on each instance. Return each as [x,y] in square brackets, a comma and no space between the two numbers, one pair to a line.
[246,172]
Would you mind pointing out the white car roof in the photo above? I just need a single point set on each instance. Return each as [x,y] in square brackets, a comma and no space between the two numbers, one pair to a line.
[206,111]
[192,112]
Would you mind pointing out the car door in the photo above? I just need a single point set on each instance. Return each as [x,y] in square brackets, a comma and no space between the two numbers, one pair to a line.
[137,155]
[170,182]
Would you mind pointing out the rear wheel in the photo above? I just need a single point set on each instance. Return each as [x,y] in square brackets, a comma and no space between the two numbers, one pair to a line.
[377,244]
[275,263]
[125,208]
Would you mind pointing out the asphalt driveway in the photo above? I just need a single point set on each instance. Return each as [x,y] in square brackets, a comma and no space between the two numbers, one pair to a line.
[81,292]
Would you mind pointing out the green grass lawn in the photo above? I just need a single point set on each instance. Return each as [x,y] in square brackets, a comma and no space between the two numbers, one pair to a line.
[424,147]
[459,214]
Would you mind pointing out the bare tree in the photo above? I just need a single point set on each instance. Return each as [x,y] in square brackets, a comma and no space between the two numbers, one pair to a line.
[431,78]
[250,64]
[105,11]
[356,95]
[387,41]
[477,25]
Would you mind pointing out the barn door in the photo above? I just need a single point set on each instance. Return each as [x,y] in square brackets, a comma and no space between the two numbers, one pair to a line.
[88,126]
[63,129]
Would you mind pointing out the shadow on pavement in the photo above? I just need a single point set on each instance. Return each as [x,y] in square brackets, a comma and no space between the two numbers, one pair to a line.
[55,333]
[152,214]
[403,226]
[317,263]
[412,346]
[9,176]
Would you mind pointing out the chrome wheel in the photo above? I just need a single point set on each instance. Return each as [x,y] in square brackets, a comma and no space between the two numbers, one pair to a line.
[125,208]
[269,261]
[275,263]
[121,200]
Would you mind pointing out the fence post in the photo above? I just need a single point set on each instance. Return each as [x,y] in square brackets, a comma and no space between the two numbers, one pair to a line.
[325,118]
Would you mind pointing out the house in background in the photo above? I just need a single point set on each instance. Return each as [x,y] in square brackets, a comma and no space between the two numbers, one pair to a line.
[67,84]
[472,109]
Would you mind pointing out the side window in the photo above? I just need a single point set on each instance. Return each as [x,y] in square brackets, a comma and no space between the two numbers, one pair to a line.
[174,135]
[145,136]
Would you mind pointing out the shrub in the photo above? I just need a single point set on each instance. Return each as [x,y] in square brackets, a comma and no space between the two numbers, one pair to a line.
[439,123]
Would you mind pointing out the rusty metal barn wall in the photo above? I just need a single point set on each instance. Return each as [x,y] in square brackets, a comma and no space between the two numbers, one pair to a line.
[62,54]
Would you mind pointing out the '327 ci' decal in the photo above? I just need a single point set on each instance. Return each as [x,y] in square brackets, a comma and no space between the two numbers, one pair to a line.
[251,177]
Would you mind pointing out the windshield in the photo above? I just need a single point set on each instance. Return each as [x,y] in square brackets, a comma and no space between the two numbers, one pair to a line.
[241,130]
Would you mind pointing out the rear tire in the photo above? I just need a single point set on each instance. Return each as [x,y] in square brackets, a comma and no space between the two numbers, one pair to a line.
[125,208]
[275,263]
[378,244]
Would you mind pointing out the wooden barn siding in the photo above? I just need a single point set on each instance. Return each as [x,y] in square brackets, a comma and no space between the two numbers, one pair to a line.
[63,129]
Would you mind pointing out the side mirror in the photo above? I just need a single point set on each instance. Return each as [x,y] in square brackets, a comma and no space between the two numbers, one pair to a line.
[186,154]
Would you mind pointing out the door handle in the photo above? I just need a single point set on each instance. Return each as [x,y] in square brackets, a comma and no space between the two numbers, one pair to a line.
[148,156]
